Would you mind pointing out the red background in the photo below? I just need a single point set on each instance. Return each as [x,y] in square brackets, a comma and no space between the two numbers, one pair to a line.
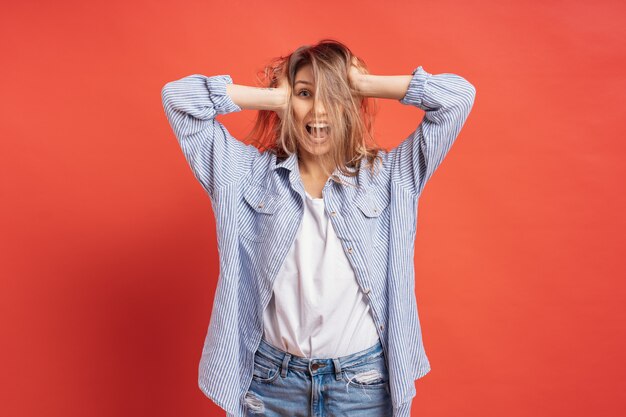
[108,249]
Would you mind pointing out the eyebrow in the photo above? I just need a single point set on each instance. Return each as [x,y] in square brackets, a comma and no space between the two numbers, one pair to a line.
[303,82]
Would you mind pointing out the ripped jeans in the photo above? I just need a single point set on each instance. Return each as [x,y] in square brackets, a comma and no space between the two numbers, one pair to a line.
[287,385]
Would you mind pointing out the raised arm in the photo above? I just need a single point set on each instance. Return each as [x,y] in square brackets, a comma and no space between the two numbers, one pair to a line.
[447,100]
[191,104]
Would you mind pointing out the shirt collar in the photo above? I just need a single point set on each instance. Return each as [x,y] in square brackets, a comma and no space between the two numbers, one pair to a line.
[291,162]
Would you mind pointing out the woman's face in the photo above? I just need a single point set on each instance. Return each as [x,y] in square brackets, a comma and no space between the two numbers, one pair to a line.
[317,141]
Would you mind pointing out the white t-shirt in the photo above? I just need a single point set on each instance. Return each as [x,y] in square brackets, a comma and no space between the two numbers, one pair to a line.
[317,309]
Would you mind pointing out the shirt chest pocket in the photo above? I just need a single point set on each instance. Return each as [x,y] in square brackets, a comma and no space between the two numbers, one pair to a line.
[374,210]
[257,211]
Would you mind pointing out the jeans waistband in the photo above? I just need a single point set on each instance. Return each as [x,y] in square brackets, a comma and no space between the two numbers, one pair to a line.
[315,365]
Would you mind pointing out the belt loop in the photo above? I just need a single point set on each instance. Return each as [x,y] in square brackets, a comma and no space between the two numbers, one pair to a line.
[283,370]
[337,369]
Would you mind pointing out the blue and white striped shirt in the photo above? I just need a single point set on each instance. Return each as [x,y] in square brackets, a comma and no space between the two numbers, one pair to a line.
[258,205]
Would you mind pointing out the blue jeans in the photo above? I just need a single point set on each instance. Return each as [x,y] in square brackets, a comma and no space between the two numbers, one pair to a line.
[355,385]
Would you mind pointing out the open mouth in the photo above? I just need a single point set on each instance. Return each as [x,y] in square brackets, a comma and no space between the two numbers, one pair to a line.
[319,130]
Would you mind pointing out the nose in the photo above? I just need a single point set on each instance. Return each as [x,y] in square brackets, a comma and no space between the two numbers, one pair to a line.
[318,109]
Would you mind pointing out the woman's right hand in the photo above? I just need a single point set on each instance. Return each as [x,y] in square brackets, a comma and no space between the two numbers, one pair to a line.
[284,91]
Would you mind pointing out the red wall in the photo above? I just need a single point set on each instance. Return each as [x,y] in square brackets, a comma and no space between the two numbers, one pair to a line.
[108,257]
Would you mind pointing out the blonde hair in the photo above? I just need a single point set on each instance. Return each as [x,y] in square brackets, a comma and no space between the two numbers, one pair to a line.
[349,114]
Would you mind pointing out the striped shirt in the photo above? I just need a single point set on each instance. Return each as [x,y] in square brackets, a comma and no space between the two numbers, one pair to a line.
[257,200]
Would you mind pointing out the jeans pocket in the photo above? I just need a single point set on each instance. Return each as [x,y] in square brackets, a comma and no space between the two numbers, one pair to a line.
[264,371]
[371,374]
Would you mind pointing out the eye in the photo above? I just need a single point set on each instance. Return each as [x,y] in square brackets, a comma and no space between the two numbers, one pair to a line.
[303,90]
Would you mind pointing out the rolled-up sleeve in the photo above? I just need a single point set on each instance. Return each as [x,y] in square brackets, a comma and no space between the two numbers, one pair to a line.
[191,104]
[447,100]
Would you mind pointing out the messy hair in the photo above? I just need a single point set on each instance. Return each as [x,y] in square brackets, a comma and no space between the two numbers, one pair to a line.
[350,114]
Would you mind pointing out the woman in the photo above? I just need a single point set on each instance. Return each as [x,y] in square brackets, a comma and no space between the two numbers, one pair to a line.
[315,311]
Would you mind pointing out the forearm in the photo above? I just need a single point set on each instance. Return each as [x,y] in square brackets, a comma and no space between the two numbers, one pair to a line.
[255,98]
[446,99]
[383,86]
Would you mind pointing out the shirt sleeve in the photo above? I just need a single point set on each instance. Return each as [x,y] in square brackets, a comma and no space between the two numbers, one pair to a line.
[447,100]
[216,158]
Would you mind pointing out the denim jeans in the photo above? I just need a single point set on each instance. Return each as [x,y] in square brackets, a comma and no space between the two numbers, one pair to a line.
[355,385]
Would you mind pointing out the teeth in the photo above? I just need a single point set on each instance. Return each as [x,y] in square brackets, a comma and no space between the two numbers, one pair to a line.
[317,128]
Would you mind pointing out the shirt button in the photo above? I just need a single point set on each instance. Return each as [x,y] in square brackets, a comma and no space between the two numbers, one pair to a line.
[349,250]
[382,327]
[333,213]
[261,204]
[367,290]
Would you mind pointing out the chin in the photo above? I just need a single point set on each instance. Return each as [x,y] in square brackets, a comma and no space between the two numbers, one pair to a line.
[318,148]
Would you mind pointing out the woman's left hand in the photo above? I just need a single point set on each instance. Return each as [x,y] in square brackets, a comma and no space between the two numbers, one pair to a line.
[355,74]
